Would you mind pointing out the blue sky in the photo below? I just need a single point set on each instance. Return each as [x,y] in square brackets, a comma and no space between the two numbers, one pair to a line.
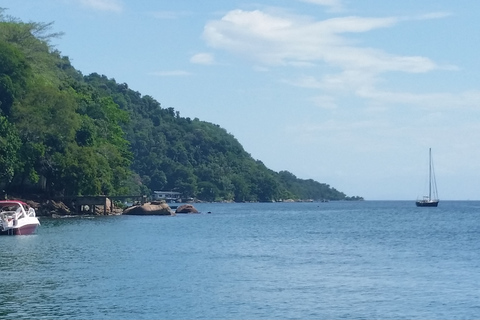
[349,93]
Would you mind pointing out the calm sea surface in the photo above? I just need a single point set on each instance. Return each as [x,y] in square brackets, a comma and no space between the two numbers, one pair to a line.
[335,260]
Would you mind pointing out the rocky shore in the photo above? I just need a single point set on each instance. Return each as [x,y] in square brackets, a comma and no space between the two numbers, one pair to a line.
[52,208]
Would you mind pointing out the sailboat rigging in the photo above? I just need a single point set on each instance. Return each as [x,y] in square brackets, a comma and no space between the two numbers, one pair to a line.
[432,199]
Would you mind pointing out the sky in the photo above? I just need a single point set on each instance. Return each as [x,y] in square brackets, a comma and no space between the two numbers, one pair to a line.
[351,93]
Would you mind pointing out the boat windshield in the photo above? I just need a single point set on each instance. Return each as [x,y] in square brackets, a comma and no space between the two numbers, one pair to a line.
[11,209]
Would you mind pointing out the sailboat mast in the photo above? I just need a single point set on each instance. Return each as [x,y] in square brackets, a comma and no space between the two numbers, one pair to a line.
[430,174]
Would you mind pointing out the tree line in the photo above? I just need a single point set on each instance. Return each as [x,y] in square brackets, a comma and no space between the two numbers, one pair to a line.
[63,133]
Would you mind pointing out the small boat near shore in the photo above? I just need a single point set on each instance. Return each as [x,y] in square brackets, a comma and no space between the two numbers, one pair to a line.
[17,218]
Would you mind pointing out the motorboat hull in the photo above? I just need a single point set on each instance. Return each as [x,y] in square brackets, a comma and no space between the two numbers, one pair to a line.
[20,231]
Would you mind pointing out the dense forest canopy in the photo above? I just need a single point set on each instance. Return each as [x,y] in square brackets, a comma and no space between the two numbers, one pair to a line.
[63,133]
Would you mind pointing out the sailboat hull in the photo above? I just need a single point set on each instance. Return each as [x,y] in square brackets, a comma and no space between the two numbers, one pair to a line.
[431,203]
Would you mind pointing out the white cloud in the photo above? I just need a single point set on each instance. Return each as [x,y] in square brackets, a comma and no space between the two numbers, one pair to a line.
[172,73]
[169,15]
[275,40]
[325,102]
[349,80]
[433,15]
[202,58]
[104,5]
[363,86]
[438,101]
[334,5]
[306,82]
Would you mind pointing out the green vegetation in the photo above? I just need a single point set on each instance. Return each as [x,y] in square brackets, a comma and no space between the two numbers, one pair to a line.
[63,133]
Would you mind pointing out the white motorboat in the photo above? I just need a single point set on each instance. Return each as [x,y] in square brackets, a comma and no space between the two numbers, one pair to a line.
[17,218]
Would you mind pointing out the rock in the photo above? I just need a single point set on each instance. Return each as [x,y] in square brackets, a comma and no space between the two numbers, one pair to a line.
[50,207]
[154,208]
[186,208]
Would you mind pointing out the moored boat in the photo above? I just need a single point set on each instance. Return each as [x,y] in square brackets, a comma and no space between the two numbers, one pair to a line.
[17,218]
[430,200]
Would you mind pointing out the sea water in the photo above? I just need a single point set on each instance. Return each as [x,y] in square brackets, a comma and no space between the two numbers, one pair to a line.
[334,260]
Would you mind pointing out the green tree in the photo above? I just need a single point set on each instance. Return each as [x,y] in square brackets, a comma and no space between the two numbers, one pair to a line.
[10,144]
[14,75]
[207,191]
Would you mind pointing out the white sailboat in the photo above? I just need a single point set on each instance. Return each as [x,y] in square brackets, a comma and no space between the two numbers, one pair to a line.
[430,200]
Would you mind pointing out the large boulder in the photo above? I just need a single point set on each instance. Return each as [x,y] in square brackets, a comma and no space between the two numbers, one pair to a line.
[50,208]
[154,208]
[186,208]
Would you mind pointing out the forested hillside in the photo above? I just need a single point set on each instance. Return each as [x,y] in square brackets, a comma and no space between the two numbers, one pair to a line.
[63,133]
